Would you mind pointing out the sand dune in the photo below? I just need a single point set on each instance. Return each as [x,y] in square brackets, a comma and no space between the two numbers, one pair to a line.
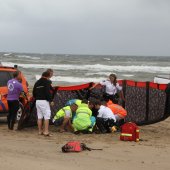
[25,150]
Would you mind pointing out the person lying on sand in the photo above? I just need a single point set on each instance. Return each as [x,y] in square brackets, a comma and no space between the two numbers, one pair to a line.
[63,117]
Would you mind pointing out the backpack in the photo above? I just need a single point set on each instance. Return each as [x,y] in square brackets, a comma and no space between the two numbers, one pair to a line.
[129,132]
[75,146]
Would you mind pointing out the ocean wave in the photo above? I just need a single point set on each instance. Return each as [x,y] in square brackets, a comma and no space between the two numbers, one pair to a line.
[7,54]
[99,73]
[28,57]
[96,67]
[108,59]
[72,79]
[127,75]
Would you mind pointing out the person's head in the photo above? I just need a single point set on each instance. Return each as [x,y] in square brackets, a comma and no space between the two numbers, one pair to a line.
[97,104]
[46,74]
[91,104]
[113,78]
[104,103]
[17,75]
[84,101]
[50,71]
[73,107]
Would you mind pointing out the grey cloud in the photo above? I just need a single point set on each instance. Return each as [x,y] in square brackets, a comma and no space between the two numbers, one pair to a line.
[131,27]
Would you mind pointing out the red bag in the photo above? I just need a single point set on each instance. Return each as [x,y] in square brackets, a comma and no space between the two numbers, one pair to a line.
[129,132]
[76,146]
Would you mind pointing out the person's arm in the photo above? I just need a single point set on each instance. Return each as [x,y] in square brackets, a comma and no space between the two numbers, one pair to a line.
[119,88]
[94,86]
[103,83]
[122,95]
[100,113]
[66,119]
[34,91]
[47,91]
[90,113]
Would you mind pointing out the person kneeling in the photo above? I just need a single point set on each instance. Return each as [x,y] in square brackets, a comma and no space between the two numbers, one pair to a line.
[84,121]
[119,112]
[63,117]
[105,118]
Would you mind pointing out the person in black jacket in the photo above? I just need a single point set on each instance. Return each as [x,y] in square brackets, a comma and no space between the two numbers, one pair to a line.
[167,91]
[43,97]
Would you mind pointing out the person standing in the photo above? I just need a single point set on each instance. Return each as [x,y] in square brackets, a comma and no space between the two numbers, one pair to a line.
[14,90]
[43,97]
[112,89]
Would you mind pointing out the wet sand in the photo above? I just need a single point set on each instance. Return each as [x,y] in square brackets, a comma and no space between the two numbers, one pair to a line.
[25,150]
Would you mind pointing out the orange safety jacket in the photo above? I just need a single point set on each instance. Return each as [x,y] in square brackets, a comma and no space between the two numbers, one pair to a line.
[117,109]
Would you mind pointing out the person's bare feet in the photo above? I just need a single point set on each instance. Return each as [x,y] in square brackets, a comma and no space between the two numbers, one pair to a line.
[47,134]
[62,130]
[40,133]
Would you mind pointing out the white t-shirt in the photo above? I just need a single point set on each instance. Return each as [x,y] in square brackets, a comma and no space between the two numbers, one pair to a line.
[106,113]
[111,89]
[68,113]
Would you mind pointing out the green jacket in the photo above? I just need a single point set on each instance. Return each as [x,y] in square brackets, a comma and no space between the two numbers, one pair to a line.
[78,102]
[61,112]
[82,120]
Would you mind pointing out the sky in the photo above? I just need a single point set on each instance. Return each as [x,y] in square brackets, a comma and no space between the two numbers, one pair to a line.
[101,27]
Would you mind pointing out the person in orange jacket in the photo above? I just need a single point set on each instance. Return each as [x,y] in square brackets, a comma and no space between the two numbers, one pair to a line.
[119,111]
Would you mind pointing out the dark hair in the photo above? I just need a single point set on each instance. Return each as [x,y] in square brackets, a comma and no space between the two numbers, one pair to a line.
[85,101]
[16,74]
[104,103]
[115,78]
[74,104]
[91,101]
[50,70]
[106,100]
[97,102]
[46,74]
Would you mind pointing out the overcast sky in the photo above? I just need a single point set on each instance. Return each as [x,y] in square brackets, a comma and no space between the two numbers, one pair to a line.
[116,27]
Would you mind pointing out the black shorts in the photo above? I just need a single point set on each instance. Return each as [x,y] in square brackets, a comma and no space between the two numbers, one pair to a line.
[113,98]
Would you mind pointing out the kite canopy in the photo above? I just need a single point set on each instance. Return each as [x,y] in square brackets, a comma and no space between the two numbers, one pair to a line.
[145,101]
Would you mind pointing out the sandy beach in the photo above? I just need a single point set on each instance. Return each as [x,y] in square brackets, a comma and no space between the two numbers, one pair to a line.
[25,150]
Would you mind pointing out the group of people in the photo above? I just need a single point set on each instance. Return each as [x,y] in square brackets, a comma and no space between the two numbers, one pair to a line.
[78,116]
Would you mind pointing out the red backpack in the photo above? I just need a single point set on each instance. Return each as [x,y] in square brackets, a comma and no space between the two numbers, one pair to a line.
[129,132]
[76,146]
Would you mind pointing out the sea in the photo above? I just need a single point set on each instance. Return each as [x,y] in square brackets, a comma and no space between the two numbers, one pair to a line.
[78,69]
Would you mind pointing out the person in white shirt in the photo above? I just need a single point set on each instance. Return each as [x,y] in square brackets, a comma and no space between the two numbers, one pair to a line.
[105,119]
[112,89]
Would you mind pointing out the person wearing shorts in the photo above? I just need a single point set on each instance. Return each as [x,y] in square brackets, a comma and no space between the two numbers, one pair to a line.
[43,97]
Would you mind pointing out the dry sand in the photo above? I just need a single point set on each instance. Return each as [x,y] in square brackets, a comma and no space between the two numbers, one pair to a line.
[25,150]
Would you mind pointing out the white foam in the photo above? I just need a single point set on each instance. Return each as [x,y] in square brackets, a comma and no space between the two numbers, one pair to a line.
[127,75]
[28,57]
[99,73]
[96,67]
[72,79]
[108,59]
[7,54]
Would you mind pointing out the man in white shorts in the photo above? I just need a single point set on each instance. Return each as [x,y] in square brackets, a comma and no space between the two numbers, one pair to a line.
[41,93]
